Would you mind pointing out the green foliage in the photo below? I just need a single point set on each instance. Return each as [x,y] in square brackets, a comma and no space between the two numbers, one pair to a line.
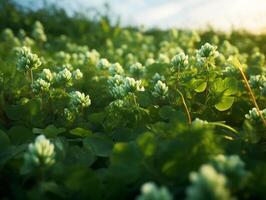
[90,110]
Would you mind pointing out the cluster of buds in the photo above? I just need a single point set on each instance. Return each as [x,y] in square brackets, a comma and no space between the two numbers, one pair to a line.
[38,32]
[27,60]
[160,90]
[180,61]
[120,86]
[40,153]
[79,100]
[208,184]
[207,51]
[149,191]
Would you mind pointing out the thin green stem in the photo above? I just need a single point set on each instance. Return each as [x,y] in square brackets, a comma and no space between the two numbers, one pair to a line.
[185,106]
[224,126]
[237,64]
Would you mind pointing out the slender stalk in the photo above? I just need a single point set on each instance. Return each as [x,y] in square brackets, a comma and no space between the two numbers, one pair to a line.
[31,76]
[236,63]
[224,126]
[185,105]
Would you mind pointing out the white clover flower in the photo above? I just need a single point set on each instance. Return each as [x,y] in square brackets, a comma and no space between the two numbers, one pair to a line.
[199,123]
[116,86]
[40,153]
[132,85]
[130,58]
[180,61]
[137,69]
[149,61]
[119,51]
[208,184]
[149,191]
[120,86]
[208,51]
[256,81]
[263,89]
[254,115]
[116,105]
[103,64]
[69,116]
[157,77]
[38,32]
[63,57]
[27,60]
[160,90]
[79,100]
[77,74]
[40,85]
[116,68]
[64,75]
[163,58]
[46,75]
[28,42]
[92,56]
[230,70]
[8,34]
[229,165]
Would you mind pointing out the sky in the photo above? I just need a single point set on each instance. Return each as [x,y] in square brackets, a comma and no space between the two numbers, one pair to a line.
[219,14]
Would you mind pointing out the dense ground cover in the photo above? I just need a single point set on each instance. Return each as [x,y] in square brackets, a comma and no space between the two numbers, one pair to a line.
[93,111]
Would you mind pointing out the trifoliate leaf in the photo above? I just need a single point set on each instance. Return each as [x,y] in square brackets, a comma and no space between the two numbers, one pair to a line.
[225,103]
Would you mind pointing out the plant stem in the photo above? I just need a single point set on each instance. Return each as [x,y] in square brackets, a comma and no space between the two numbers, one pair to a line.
[239,66]
[31,76]
[185,106]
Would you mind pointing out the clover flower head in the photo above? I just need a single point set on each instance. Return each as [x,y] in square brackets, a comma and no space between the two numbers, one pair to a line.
[230,70]
[163,58]
[8,34]
[149,61]
[92,56]
[79,100]
[132,85]
[116,86]
[69,115]
[254,115]
[38,32]
[130,58]
[119,51]
[263,89]
[116,68]
[257,81]
[160,90]
[40,153]
[137,69]
[149,191]
[120,86]
[103,64]
[258,59]
[180,61]
[40,85]
[229,165]
[46,75]
[157,77]
[199,122]
[63,57]
[27,60]
[64,75]
[208,51]
[77,74]
[208,184]
[116,105]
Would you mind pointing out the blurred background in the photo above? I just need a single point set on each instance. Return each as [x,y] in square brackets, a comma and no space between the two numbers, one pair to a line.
[221,15]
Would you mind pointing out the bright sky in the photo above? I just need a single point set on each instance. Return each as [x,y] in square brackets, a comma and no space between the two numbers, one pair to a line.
[220,14]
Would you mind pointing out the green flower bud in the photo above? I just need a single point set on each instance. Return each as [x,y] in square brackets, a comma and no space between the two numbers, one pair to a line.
[27,60]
